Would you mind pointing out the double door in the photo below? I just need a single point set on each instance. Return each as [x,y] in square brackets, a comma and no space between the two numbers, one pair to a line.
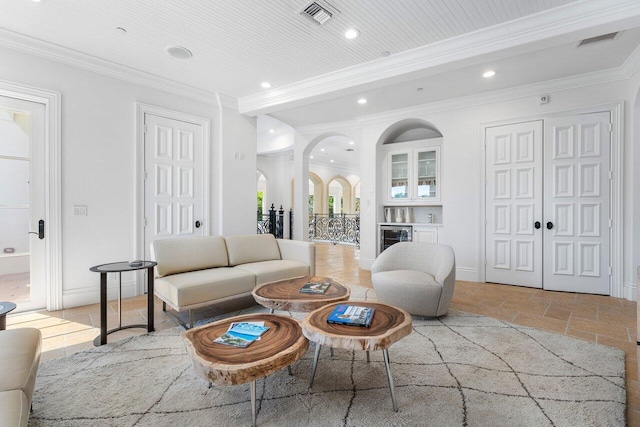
[548,204]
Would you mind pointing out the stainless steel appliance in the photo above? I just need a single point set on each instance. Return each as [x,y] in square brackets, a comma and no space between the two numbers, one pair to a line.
[391,234]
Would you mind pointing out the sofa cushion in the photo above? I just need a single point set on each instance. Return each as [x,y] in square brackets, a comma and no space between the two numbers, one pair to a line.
[14,408]
[252,248]
[189,254]
[20,356]
[271,271]
[196,287]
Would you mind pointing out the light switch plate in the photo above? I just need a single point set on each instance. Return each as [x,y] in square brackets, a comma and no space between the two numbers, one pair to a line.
[80,210]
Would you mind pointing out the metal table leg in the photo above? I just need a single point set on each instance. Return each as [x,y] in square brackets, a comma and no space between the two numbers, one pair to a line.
[150,301]
[103,309]
[252,387]
[385,354]
[315,364]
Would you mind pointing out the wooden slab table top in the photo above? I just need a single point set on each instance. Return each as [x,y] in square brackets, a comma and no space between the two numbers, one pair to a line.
[285,294]
[389,325]
[221,364]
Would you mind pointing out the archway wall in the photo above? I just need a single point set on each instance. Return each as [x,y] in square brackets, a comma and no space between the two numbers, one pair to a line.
[632,189]
[305,140]
[278,170]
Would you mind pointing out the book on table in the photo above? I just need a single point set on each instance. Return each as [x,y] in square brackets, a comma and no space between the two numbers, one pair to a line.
[241,334]
[353,315]
[315,287]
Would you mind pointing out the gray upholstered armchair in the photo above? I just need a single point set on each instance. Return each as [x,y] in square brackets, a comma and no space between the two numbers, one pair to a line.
[417,277]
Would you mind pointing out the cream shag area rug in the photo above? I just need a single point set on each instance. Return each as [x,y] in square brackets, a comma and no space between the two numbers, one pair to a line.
[459,370]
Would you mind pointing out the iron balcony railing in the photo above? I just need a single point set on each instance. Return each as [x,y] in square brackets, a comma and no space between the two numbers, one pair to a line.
[273,223]
[335,228]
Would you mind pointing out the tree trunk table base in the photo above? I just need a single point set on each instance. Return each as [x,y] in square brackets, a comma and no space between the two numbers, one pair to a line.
[221,364]
[389,324]
[285,294]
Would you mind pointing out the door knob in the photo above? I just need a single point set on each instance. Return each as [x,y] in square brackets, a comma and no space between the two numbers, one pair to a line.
[537,225]
[198,224]
[549,225]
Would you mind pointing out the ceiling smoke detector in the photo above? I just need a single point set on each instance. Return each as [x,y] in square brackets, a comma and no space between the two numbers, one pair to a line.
[319,12]
[601,38]
[179,52]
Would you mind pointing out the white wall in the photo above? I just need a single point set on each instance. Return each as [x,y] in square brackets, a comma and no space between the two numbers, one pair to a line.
[234,174]
[279,173]
[98,137]
[461,161]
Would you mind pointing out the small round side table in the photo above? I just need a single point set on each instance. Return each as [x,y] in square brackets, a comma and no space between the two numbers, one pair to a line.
[5,307]
[120,267]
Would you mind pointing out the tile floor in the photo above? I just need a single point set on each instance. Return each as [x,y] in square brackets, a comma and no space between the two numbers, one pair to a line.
[605,320]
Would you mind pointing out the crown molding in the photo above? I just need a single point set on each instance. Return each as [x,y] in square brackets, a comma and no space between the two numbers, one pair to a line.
[632,64]
[551,23]
[502,95]
[36,47]
[227,101]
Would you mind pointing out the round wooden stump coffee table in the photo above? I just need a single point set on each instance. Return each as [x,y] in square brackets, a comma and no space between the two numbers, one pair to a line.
[389,324]
[221,364]
[285,294]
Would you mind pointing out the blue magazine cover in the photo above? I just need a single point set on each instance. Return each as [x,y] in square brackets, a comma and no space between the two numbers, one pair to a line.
[354,315]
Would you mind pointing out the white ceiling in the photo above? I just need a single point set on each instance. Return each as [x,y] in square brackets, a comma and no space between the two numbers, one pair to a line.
[316,74]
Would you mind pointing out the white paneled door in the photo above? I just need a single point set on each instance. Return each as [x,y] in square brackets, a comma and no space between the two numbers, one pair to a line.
[577,204]
[548,204]
[514,204]
[173,169]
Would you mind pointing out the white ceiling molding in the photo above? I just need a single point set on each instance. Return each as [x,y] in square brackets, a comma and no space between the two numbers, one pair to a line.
[227,101]
[632,64]
[552,23]
[535,89]
[67,56]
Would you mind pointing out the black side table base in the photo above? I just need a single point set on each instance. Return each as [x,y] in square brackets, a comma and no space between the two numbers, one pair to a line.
[96,340]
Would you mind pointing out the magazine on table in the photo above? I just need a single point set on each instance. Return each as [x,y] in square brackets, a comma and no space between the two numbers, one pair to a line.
[315,287]
[352,315]
[241,334]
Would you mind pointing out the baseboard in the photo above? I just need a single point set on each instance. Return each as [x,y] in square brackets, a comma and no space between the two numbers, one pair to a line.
[91,294]
[466,273]
[630,291]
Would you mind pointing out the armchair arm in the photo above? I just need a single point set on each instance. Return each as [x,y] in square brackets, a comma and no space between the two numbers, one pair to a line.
[297,250]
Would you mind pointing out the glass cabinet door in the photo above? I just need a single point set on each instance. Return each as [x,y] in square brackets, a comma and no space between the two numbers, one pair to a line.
[427,176]
[399,166]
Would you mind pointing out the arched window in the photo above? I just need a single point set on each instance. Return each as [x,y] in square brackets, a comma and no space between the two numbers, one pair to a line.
[261,194]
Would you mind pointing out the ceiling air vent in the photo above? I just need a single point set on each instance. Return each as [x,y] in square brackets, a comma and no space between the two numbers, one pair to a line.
[598,39]
[319,12]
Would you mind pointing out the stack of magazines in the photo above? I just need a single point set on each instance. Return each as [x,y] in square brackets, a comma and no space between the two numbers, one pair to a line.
[241,334]
[315,287]
[352,315]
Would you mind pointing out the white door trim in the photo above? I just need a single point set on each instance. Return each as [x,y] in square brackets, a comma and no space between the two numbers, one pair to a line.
[141,110]
[617,167]
[53,183]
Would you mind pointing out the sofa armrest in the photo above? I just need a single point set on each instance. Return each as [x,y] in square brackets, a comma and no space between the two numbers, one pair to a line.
[297,250]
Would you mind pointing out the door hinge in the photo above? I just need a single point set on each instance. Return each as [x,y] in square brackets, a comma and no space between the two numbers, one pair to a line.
[144,222]
[610,127]
[610,175]
[145,175]
[485,222]
[485,262]
[609,271]
[610,223]
[146,128]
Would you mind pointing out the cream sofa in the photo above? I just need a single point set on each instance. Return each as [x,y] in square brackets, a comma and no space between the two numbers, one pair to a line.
[199,271]
[20,356]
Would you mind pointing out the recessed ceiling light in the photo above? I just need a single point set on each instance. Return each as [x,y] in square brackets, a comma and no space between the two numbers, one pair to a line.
[272,131]
[350,142]
[38,1]
[331,160]
[488,74]
[351,33]
[179,52]
[265,85]
[311,157]
[362,101]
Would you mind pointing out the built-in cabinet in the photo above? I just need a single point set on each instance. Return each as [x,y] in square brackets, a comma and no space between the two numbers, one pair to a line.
[413,176]
[425,234]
